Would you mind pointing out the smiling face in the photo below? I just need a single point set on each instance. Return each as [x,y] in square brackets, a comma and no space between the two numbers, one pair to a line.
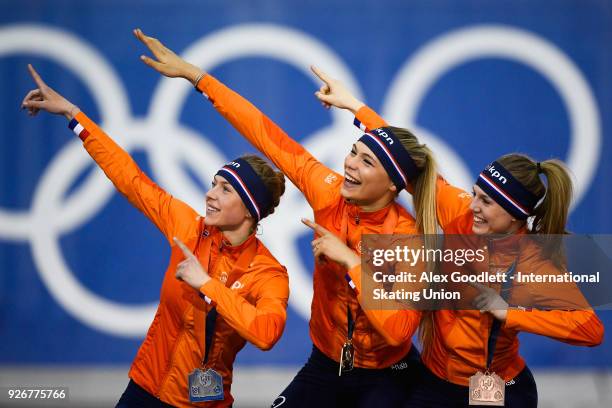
[366,182]
[490,217]
[224,207]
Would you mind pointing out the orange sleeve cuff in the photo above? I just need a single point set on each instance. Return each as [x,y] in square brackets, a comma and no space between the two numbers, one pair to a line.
[211,288]
[89,125]
[205,83]
[355,275]
[513,318]
[368,117]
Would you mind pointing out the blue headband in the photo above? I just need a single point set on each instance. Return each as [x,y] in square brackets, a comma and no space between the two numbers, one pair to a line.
[507,191]
[392,155]
[250,187]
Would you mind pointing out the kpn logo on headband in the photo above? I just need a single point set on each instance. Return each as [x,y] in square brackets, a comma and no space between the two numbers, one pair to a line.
[384,135]
[233,164]
[495,173]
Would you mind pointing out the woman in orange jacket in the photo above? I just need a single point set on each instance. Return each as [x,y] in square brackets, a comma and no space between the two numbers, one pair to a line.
[466,349]
[222,286]
[350,347]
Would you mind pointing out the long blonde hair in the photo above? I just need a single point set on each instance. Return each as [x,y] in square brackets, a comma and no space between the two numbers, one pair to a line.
[424,194]
[550,216]
[424,199]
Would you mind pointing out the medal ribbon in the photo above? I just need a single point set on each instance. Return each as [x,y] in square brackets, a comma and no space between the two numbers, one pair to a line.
[496,326]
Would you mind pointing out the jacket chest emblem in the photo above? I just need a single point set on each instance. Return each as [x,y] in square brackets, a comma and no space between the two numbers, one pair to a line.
[331,177]
[223,277]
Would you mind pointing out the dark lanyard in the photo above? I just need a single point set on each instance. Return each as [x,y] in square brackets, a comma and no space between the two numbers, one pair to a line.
[351,322]
[388,228]
[241,263]
[211,319]
[496,326]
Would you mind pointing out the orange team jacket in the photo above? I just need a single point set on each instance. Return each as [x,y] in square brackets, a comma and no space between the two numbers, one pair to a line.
[253,309]
[459,346]
[374,348]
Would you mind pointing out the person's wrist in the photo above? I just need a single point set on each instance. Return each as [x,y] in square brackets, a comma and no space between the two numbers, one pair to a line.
[194,74]
[355,105]
[71,112]
[501,313]
[351,261]
[205,280]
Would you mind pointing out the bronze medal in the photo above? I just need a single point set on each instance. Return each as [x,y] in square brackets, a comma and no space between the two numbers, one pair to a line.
[347,357]
[487,389]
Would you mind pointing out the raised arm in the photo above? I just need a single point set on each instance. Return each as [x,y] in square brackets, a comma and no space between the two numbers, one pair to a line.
[171,216]
[308,174]
[451,202]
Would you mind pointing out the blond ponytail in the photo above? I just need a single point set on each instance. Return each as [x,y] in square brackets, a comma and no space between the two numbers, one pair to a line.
[552,213]
[424,194]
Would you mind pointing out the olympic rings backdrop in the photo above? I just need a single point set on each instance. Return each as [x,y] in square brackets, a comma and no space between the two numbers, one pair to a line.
[81,269]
